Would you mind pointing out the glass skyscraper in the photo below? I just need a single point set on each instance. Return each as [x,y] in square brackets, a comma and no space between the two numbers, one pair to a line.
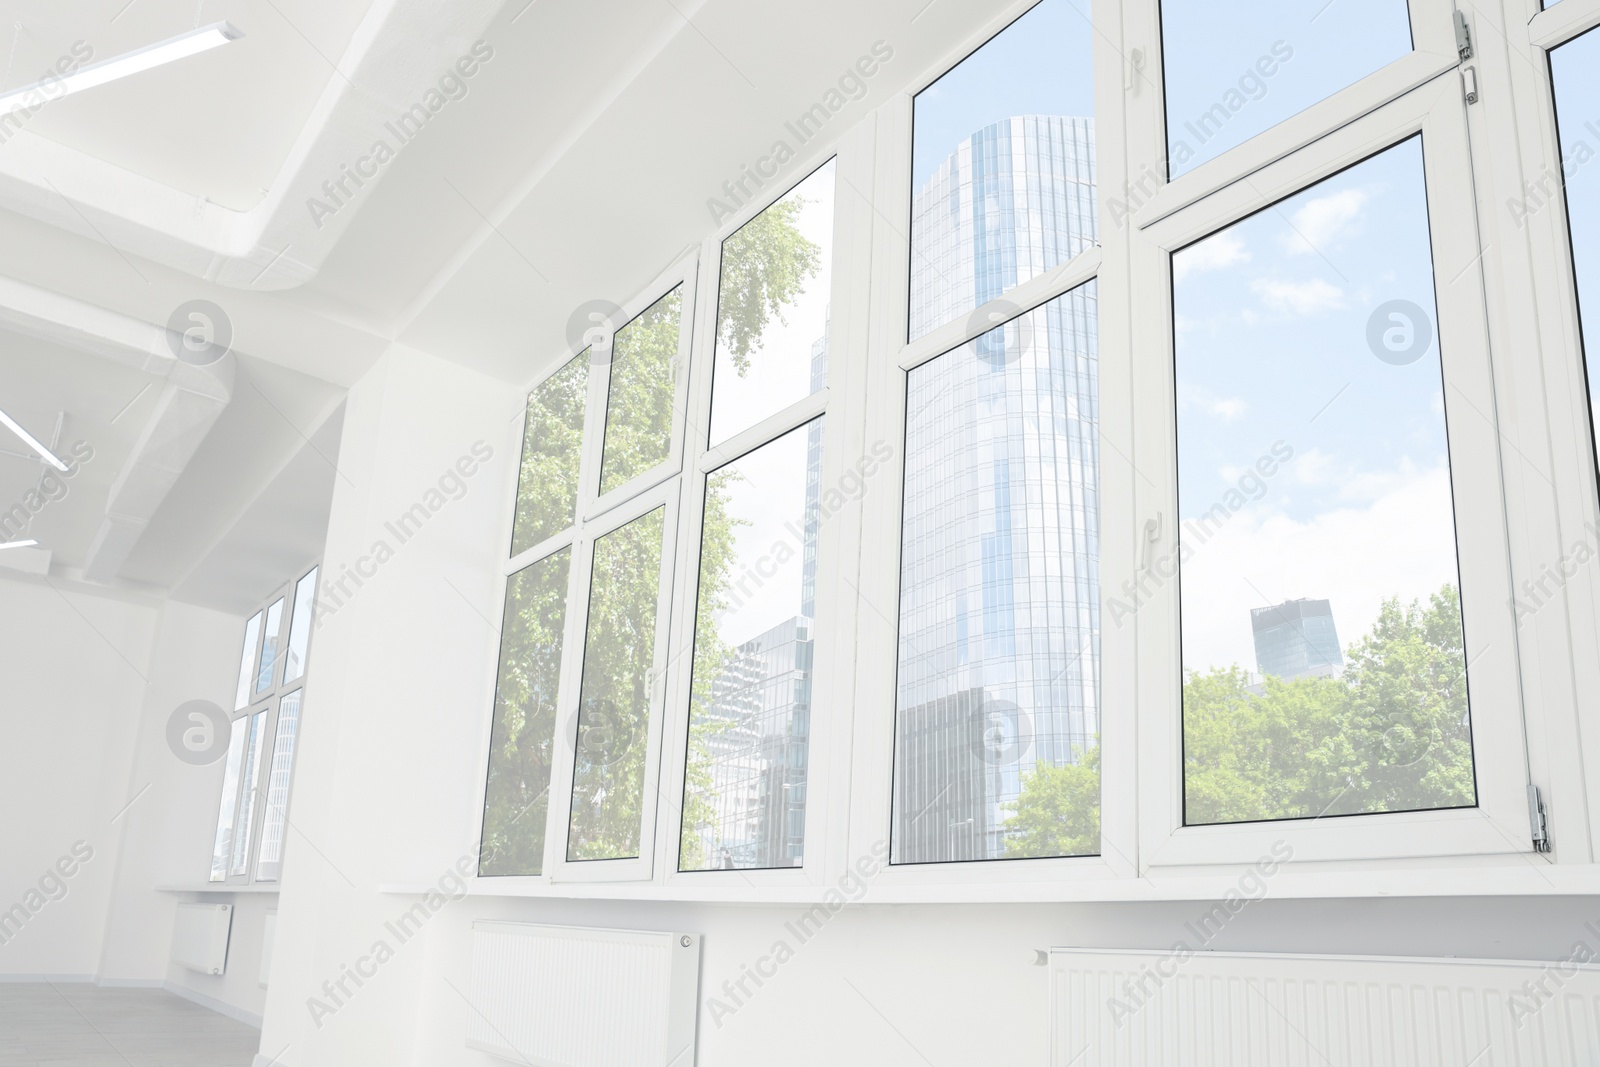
[1296,639]
[1000,599]
[758,761]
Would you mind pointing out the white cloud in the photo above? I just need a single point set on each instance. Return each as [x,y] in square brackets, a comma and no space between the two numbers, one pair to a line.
[1401,543]
[1228,408]
[1319,224]
[1214,253]
[1299,298]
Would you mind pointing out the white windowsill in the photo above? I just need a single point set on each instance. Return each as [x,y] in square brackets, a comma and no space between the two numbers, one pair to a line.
[1510,876]
[217,887]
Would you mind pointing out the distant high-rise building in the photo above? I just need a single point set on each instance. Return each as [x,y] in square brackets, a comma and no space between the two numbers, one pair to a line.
[1000,591]
[758,758]
[1296,639]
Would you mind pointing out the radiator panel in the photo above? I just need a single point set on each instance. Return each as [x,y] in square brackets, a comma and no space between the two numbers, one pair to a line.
[1249,1010]
[557,996]
[200,937]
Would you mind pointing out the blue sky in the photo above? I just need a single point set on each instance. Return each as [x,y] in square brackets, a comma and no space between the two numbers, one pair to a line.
[1038,65]
[1575,66]
[1209,47]
[1272,344]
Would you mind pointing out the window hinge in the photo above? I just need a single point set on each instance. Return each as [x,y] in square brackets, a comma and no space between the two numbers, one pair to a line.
[1463,36]
[1469,84]
[1541,836]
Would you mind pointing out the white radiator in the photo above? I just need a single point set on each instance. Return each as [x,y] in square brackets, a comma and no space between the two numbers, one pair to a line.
[200,937]
[1249,1010]
[564,996]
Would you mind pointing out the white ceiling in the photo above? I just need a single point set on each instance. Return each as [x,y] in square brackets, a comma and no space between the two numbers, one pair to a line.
[577,165]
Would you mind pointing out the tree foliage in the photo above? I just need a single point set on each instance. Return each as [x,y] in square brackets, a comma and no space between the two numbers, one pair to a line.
[764,268]
[1389,734]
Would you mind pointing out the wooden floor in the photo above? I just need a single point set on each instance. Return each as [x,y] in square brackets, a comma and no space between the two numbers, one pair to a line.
[83,1025]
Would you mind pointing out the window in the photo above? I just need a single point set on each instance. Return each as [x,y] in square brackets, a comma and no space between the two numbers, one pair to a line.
[1003,165]
[752,691]
[641,391]
[1315,512]
[997,709]
[1575,72]
[253,810]
[1235,70]
[1157,438]
[573,745]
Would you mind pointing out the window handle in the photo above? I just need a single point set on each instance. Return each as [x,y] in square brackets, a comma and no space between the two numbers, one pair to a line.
[1152,538]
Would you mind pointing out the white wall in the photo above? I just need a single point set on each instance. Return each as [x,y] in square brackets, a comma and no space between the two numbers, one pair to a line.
[167,834]
[72,677]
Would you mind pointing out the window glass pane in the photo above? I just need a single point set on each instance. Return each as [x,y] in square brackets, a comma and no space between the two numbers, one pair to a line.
[269,647]
[1575,68]
[248,795]
[1003,165]
[1233,70]
[247,660]
[305,599]
[614,701]
[523,739]
[277,816]
[750,711]
[1322,635]
[552,447]
[644,375]
[772,308]
[997,711]
[228,806]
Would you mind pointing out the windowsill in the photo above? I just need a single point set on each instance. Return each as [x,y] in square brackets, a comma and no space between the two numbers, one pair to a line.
[217,887]
[1499,876]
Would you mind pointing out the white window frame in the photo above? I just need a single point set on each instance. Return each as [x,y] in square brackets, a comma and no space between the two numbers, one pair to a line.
[1524,483]
[596,516]
[841,443]
[268,702]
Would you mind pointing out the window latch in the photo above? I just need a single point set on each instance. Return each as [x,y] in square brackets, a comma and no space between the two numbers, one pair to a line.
[1463,36]
[1536,818]
[1469,84]
[1152,538]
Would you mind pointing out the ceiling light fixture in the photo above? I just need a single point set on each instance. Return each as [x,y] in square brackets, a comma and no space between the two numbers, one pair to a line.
[32,442]
[19,544]
[108,70]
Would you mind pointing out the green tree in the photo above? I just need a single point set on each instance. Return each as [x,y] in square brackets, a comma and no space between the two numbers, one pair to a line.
[552,446]
[1390,734]
[644,378]
[1058,811]
[517,800]
[764,268]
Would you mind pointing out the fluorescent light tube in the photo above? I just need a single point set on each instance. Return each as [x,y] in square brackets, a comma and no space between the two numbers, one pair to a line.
[19,544]
[107,70]
[32,442]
